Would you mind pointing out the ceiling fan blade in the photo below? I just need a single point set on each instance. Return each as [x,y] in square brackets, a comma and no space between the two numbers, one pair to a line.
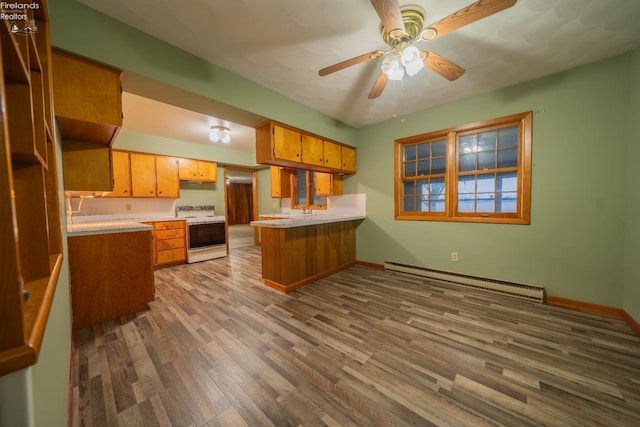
[472,13]
[441,65]
[378,86]
[390,16]
[349,62]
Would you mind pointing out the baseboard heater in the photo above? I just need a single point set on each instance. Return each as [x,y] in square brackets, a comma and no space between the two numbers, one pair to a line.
[528,292]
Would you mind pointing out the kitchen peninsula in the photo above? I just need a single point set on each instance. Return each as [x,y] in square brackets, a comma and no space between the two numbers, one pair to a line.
[300,248]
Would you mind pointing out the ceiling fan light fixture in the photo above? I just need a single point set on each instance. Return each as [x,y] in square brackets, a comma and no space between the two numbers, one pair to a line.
[390,65]
[220,133]
[411,60]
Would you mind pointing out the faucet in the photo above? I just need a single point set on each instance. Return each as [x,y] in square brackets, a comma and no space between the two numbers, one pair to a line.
[306,211]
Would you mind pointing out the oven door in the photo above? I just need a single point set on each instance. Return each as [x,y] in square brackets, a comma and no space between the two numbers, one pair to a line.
[205,235]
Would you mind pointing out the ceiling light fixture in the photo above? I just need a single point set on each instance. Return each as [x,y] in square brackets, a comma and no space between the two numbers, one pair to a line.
[409,60]
[220,133]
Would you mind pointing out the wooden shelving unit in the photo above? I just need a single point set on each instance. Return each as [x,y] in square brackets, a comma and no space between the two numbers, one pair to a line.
[30,233]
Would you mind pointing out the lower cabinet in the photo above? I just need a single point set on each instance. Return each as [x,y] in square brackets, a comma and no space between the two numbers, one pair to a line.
[111,276]
[169,243]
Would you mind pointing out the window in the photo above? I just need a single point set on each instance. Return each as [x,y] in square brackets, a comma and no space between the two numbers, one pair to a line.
[304,191]
[477,173]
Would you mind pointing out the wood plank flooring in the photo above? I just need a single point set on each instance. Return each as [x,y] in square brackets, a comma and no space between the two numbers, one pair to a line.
[361,347]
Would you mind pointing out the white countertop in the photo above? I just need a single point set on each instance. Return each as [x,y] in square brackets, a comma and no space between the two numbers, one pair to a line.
[302,220]
[105,227]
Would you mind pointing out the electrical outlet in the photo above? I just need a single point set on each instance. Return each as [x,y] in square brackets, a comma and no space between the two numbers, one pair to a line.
[127,206]
[454,256]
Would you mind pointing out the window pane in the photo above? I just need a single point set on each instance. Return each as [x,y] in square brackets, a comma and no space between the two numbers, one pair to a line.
[410,169]
[438,148]
[485,203]
[508,158]
[437,186]
[469,143]
[423,204]
[410,152]
[486,160]
[507,181]
[507,202]
[486,184]
[468,162]
[467,184]
[407,204]
[422,186]
[423,150]
[437,203]
[438,165]
[301,185]
[466,203]
[423,167]
[508,137]
[408,188]
[487,140]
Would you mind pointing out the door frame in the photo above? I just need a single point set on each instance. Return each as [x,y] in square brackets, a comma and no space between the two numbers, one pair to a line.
[254,192]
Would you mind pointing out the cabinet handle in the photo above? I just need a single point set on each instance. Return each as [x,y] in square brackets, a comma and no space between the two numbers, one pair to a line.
[126,191]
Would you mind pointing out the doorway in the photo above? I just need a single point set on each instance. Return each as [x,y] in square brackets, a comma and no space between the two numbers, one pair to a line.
[241,205]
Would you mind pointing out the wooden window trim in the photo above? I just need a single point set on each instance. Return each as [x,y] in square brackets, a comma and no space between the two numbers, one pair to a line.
[451,135]
[310,195]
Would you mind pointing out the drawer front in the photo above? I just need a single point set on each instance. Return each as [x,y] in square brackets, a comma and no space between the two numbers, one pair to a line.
[162,245]
[168,225]
[169,234]
[170,256]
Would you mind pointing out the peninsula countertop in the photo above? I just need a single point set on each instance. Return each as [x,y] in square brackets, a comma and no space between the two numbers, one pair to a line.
[303,220]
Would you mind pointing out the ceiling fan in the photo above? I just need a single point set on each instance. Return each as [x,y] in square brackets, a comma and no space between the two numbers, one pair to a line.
[402,28]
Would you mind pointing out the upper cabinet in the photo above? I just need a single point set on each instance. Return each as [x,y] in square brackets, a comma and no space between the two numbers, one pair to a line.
[88,99]
[143,175]
[121,174]
[167,182]
[281,145]
[88,107]
[198,170]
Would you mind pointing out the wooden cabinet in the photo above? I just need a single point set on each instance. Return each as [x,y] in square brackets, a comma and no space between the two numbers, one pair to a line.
[88,99]
[284,146]
[332,155]
[348,155]
[111,276]
[88,107]
[143,175]
[327,184]
[121,174]
[312,150]
[30,231]
[167,181]
[280,182]
[169,244]
[154,176]
[198,170]
[87,166]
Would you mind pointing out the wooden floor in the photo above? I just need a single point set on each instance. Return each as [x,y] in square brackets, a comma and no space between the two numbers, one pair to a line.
[362,347]
[240,235]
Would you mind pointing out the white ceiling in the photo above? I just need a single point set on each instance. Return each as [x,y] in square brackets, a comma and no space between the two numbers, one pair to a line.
[281,44]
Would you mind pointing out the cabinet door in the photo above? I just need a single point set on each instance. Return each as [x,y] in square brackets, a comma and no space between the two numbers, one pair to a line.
[280,182]
[286,144]
[167,181]
[208,171]
[332,155]
[143,175]
[188,169]
[323,183]
[312,150]
[348,159]
[121,174]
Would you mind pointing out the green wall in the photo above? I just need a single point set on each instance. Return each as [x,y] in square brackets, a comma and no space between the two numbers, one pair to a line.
[631,292]
[573,246]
